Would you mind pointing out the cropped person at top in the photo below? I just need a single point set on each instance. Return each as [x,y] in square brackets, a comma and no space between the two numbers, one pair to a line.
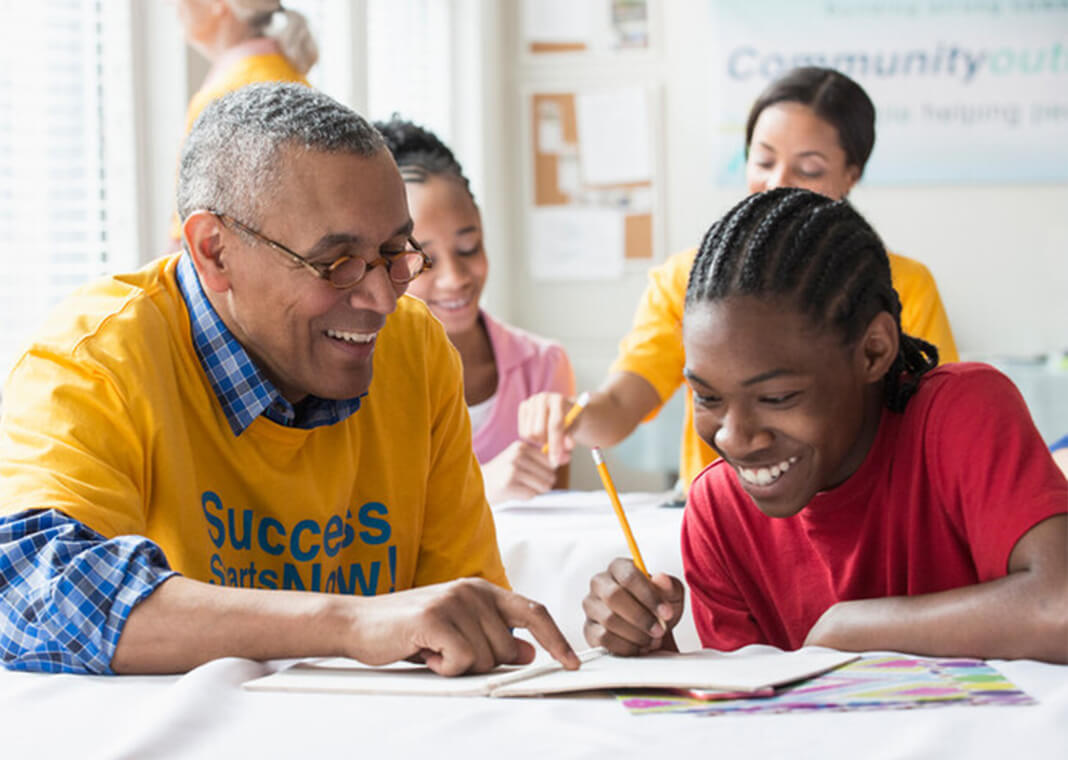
[196,460]
[814,128]
[502,365]
[246,41]
[865,498]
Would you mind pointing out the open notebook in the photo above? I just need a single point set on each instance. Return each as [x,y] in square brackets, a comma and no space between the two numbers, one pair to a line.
[703,670]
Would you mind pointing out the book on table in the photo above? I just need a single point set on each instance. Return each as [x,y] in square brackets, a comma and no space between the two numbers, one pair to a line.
[709,672]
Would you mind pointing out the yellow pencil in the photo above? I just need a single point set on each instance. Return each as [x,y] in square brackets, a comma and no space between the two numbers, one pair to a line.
[598,459]
[572,413]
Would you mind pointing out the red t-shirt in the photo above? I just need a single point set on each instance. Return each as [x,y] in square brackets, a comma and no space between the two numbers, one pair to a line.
[948,488]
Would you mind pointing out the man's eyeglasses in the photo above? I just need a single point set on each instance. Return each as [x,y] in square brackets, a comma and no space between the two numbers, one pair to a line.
[345,271]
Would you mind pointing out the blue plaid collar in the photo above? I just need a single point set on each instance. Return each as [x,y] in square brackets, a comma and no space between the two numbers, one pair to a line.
[242,389]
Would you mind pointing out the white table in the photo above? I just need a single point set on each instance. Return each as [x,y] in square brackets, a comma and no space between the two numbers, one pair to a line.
[205,714]
[550,554]
[553,547]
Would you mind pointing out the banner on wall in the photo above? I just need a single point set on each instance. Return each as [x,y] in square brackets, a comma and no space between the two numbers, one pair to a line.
[965,90]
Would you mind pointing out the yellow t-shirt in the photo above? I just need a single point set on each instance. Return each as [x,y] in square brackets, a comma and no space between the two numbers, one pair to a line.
[653,348]
[109,418]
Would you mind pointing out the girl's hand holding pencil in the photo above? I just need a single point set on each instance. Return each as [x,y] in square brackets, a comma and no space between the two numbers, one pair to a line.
[627,611]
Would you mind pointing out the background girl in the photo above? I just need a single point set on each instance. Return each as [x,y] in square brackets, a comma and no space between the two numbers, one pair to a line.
[502,365]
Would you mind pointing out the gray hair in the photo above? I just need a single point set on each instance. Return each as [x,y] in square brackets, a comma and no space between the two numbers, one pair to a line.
[231,160]
[293,36]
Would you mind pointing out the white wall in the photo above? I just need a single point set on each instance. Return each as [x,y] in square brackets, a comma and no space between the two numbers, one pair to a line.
[998,253]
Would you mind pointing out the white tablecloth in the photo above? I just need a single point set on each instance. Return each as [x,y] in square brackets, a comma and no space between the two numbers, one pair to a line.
[206,714]
[550,554]
[553,547]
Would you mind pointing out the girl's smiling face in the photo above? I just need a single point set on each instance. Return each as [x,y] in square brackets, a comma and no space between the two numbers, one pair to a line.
[449,229]
[787,405]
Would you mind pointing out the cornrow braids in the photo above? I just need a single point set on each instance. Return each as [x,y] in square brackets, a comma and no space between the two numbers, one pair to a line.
[822,255]
[723,271]
[420,153]
[763,241]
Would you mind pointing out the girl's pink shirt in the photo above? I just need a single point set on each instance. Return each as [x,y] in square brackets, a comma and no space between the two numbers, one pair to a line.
[526,364]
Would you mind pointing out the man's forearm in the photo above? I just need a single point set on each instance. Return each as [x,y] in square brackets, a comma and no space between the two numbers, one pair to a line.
[186,623]
[456,627]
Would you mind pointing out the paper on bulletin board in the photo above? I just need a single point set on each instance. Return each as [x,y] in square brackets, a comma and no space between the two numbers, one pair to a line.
[569,243]
[583,161]
[613,136]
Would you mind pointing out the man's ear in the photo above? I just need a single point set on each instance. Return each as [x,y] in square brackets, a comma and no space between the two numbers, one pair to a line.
[878,347]
[202,231]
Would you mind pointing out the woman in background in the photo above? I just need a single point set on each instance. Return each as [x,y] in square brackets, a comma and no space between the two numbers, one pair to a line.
[502,365]
[245,41]
[813,128]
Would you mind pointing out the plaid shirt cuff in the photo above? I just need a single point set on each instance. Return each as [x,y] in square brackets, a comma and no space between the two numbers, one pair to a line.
[67,591]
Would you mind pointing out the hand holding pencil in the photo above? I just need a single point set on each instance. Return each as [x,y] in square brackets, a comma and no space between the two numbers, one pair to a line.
[628,611]
[545,420]
[572,414]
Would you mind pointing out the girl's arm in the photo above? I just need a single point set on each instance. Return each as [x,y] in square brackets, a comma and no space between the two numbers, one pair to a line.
[1022,615]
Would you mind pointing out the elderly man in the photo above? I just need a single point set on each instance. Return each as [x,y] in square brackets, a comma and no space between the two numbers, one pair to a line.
[190,452]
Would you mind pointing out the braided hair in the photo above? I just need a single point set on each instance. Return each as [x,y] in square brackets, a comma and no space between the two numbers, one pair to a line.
[823,256]
[419,153]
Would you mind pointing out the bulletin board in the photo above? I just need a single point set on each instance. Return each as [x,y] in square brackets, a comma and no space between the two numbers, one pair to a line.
[593,181]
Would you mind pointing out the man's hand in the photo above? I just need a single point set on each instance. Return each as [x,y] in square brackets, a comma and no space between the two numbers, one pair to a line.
[519,472]
[630,614]
[455,628]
